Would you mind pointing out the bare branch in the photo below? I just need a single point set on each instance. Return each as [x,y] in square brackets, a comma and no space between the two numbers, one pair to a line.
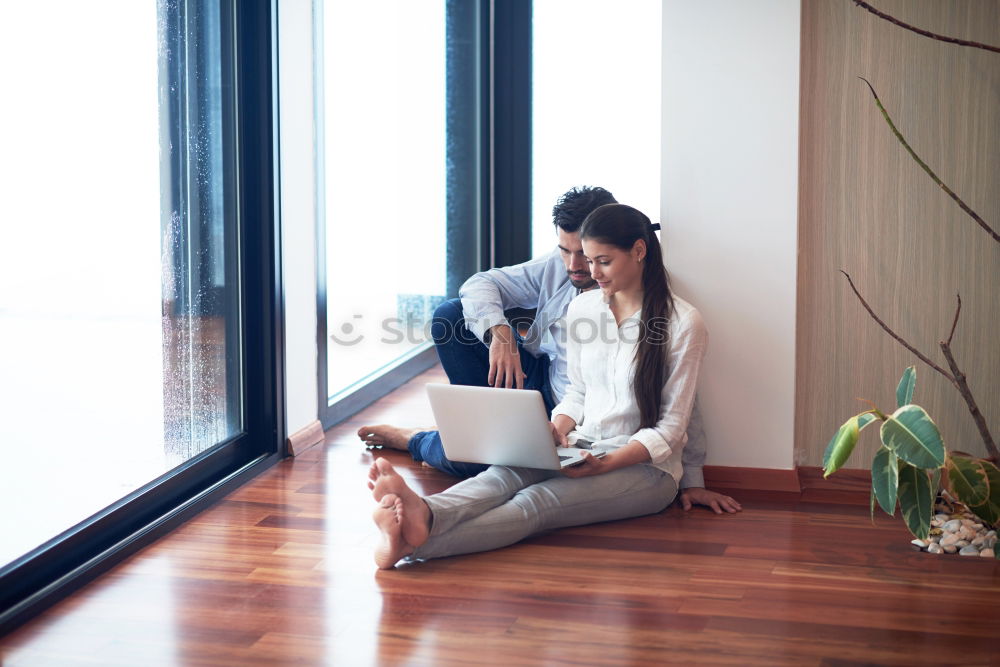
[977,416]
[894,335]
[925,33]
[956,377]
[955,323]
[975,216]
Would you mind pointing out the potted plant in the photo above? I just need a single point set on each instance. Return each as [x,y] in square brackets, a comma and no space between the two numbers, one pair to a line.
[907,471]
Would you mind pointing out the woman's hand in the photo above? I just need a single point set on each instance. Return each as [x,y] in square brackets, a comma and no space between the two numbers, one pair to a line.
[591,466]
[558,437]
[632,453]
[561,425]
[711,499]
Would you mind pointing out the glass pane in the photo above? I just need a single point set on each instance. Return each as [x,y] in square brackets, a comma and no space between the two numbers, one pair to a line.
[118,351]
[385,190]
[595,104]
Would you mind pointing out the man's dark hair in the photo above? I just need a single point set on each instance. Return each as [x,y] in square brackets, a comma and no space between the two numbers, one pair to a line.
[574,206]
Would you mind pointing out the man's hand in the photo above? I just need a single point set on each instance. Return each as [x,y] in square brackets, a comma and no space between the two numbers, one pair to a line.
[505,362]
[716,501]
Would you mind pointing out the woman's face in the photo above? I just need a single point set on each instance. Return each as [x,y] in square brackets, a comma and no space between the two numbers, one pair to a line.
[614,269]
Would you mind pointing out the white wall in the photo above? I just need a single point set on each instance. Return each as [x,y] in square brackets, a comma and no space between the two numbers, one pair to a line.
[298,210]
[729,198]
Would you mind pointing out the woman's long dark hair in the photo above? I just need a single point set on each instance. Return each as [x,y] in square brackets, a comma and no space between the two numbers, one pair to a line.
[621,226]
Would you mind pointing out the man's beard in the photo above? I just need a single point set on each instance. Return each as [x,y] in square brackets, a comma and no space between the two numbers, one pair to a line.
[582,283]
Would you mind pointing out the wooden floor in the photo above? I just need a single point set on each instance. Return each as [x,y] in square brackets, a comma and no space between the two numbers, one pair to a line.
[281,573]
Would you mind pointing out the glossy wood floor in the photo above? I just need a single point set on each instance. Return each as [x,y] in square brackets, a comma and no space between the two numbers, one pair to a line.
[281,573]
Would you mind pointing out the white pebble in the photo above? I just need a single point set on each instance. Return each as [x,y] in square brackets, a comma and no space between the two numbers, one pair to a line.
[961,544]
[934,539]
[919,543]
[978,540]
[935,549]
[940,517]
[990,541]
[950,548]
[969,551]
[949,539]
[952,526]
[985,553]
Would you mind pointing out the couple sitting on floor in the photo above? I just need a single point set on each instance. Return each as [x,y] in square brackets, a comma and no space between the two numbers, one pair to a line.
[633,394]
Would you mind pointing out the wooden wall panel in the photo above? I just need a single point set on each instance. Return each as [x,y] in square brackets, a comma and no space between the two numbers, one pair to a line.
[867,207]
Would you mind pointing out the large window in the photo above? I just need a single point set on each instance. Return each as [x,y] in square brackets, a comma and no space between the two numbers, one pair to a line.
[384,102]
[80,313]
[595,104]
[138,198]
[398,91]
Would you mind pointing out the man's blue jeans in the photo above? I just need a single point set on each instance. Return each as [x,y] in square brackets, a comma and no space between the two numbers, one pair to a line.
[466,360]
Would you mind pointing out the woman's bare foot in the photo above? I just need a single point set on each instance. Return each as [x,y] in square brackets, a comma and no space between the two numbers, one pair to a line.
[386,435]
[388,517]
[414,515]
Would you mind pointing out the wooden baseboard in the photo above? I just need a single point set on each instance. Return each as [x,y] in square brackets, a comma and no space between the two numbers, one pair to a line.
[846,479]
[305,438]
[849,486]
[756,479]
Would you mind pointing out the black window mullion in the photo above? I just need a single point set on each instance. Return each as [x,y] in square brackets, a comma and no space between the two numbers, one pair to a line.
[467,111]
[511,132]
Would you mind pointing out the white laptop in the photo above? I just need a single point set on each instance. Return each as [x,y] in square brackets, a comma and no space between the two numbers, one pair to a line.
[497,426]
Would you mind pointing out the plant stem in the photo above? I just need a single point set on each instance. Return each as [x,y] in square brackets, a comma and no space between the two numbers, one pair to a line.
[955,321]
[975,216]
[963,389]
[925,33]
[894,335]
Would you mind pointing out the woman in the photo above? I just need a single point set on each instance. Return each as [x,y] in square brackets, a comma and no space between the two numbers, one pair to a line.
[633,351]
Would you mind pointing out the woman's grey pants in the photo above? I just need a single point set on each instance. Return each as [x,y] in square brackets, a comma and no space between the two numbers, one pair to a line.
[504,505]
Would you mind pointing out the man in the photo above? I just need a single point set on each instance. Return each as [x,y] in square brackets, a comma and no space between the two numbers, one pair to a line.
[478,346]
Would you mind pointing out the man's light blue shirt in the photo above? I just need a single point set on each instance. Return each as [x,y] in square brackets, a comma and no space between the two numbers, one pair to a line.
[542,284]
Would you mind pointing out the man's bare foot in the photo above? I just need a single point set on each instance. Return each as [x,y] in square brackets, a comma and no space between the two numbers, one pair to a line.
[388,517]
[414,515]
[386,435]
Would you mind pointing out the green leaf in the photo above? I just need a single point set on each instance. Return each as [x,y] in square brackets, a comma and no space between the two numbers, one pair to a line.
[885,479]
[968,480]
[840,446]
[904,391]
[914,437]
[989,511]
[916,500]
[864,419]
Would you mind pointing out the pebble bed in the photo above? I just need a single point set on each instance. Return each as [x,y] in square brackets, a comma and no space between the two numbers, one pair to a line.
[959,533]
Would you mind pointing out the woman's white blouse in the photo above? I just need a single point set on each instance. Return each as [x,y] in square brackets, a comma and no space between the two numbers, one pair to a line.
[601,364]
